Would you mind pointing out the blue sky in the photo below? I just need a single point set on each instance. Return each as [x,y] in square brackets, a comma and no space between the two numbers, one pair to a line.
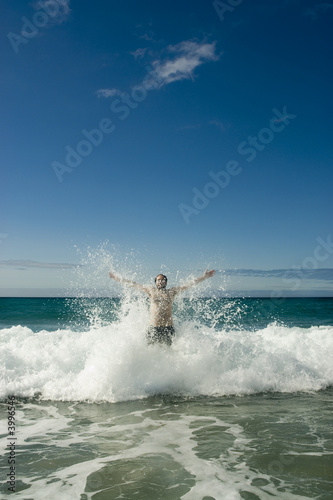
[169,136]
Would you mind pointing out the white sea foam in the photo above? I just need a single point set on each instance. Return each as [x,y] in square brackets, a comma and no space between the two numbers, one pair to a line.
[114,363]
[150,451]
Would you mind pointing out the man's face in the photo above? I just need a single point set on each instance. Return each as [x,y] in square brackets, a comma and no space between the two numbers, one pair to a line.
[161,282]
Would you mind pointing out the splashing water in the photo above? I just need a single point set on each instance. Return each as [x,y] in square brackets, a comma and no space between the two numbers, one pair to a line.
[112,362]
[222,347]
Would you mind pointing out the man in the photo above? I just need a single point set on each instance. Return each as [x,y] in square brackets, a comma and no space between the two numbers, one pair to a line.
[161,299]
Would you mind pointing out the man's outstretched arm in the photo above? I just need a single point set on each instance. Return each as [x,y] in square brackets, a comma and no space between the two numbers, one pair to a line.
[133,284]
[207,274]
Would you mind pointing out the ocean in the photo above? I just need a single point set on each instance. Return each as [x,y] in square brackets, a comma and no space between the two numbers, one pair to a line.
[239,407]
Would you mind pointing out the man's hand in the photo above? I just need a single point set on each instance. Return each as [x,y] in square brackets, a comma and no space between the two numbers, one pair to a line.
[209,274]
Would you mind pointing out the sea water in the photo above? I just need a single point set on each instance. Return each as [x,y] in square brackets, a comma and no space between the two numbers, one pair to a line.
[239,407]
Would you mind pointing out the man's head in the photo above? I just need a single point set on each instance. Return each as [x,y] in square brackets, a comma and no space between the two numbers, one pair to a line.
[161,281]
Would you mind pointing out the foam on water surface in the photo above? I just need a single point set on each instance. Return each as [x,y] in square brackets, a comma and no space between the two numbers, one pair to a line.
[235,409]
[160,451]
[112,362]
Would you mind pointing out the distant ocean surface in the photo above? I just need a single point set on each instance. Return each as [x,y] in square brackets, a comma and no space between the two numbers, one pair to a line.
[239,407]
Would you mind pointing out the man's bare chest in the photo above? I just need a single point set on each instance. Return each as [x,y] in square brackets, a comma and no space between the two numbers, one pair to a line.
[162,299]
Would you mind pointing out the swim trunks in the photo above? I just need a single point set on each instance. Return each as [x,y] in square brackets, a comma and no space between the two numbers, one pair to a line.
[161,334]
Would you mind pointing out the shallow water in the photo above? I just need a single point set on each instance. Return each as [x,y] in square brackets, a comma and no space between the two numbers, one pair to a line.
[252,447]
[240,406]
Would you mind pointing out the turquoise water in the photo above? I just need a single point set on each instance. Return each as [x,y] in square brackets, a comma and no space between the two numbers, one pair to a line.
[249,313]
[240,406]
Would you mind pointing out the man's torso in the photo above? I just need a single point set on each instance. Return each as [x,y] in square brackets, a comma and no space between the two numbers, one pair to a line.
[161,306]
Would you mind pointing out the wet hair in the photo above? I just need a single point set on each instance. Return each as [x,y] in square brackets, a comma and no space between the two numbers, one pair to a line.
[166,279]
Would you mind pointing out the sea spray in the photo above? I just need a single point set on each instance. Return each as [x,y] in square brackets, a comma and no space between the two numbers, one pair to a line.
[98,350]
[114,363]
[235,408]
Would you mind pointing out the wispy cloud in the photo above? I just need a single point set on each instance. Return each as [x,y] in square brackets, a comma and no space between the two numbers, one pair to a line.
[25,264]
[178,62]
[149,37]
[145,32]
[139,53]
[324,274]
[218,124]
[107,92]
[187,56]
[318,10]
[190,127]
[212,123]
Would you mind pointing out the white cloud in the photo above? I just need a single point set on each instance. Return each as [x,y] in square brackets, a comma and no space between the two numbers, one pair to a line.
[218,124]
[139,53]
[24,264]
[190,127]
[107,92]
[149,37]
[188,55]
[179,64]
[321,274]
